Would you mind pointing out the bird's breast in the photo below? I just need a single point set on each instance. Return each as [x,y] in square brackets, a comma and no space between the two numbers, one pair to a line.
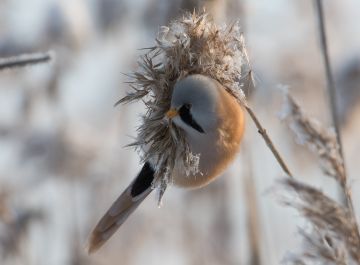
[216,149]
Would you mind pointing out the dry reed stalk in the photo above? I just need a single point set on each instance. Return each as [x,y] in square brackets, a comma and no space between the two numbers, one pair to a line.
[249,83]
[331,88]
[253,216]
[24,60]
[269,142]
[328,72]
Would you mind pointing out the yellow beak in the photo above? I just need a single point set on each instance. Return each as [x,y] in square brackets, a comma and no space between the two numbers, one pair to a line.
[171,113]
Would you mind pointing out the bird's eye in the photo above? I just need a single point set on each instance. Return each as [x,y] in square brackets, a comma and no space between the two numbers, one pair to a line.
[187,118]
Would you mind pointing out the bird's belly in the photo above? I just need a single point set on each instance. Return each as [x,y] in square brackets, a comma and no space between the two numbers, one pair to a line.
[214,159]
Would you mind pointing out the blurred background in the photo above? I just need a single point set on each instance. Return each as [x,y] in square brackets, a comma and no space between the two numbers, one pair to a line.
[62,155]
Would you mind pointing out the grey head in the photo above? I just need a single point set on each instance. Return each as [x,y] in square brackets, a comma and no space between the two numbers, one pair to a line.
[194,104]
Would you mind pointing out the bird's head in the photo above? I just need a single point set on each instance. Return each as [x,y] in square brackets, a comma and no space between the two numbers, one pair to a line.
[194,104]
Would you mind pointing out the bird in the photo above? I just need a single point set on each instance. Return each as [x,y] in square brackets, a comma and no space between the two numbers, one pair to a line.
[213,122]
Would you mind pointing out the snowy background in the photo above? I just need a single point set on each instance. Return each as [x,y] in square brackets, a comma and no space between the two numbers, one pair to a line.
[62,155]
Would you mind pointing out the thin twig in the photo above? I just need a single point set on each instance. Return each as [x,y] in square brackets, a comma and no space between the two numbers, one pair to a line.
[24,60]
[332,96]
[269,142]
[253,215]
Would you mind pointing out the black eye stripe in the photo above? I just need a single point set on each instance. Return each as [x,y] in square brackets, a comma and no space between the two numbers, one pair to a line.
[186,116]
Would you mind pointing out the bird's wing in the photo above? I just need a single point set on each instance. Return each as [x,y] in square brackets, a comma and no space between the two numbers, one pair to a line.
[121,209]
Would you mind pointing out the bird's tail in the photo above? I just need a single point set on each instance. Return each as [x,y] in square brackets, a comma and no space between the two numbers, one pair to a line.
[121,209]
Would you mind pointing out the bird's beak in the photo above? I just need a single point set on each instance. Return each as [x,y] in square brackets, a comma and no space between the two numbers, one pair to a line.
[171,113]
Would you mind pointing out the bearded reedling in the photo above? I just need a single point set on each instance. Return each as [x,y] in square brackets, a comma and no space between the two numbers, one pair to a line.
[195,119]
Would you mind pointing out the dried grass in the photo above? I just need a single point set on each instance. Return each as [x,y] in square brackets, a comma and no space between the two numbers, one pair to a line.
[253,214]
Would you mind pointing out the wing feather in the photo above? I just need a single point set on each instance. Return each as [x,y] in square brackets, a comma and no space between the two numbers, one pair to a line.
[122,208]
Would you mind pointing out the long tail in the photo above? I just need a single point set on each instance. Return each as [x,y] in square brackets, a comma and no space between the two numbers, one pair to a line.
[121,209]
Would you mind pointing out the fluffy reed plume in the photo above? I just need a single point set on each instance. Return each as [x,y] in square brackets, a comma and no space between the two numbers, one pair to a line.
[319,242]
[192,44]
[334,236]
[321,141]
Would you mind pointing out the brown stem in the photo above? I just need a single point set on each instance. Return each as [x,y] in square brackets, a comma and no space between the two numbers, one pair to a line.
[268,142]
[253,212]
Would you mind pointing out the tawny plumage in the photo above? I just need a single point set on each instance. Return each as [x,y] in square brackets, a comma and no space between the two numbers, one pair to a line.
[213,123]
[223,121]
